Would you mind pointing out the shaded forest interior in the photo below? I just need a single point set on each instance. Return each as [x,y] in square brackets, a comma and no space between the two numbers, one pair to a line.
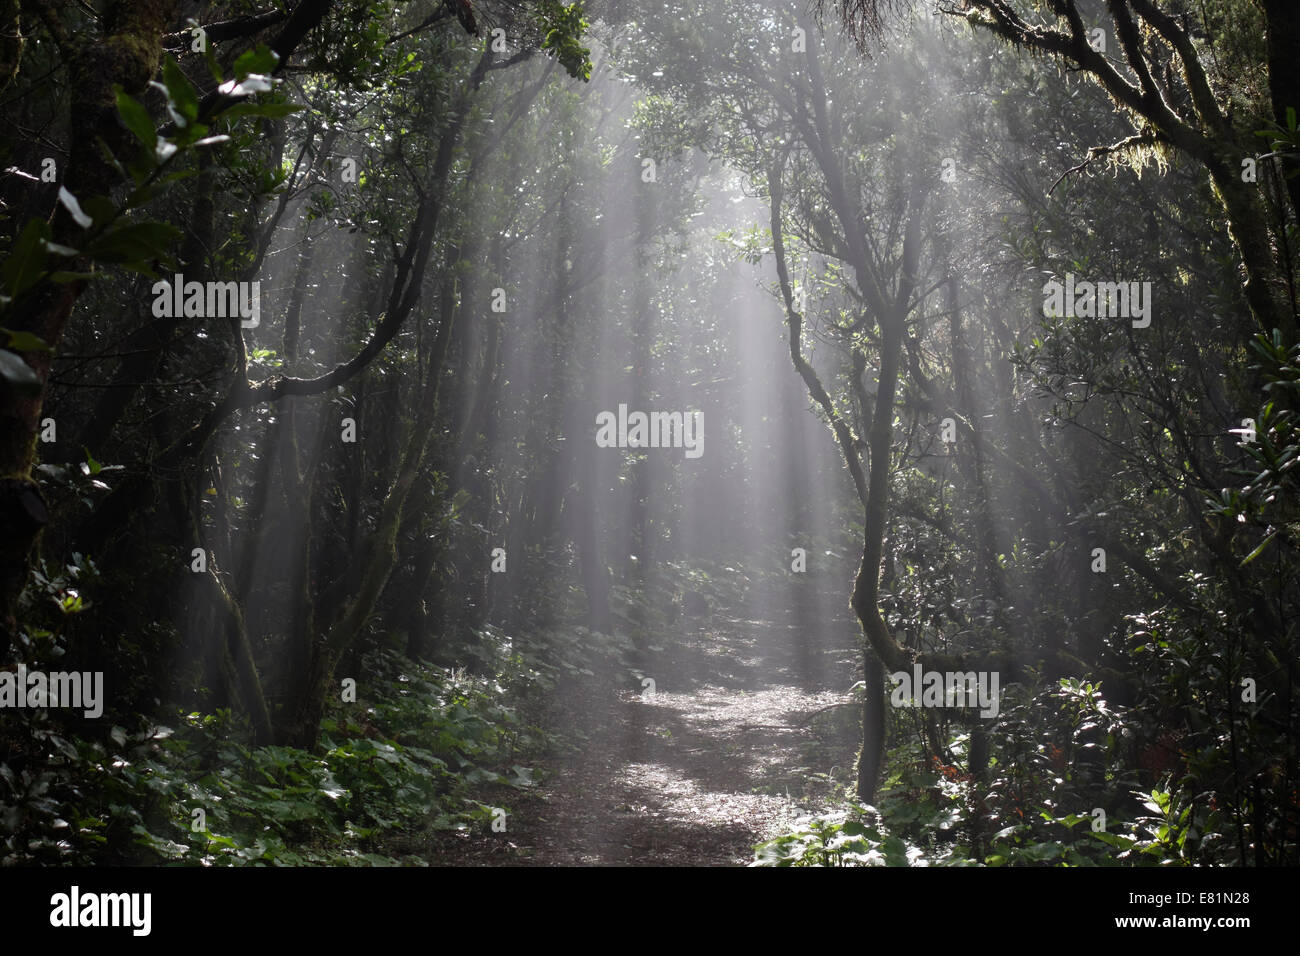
[506,432]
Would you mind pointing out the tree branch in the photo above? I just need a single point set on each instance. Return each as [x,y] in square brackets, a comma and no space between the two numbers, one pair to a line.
[848,441]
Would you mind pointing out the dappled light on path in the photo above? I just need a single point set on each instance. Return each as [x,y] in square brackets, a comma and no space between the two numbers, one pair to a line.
[714,762]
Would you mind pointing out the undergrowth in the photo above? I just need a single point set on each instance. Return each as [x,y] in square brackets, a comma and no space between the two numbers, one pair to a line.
[422,749]
[1064,801]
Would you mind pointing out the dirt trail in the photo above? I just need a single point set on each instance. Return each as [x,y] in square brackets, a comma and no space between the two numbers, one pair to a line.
[733,745]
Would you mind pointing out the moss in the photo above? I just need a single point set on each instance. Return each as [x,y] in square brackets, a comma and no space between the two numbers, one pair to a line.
[11,42]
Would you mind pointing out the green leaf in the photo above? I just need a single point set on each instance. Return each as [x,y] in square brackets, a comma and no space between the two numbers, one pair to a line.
[264,110]
[142,195]
[26,342]
[1113,839]
[18,375]
[135,242]
[143,165]
[107,155]
[1041,852]
[100,208]
[1259,550]
[184,99]
[26,259]
[261,59]
[136,118]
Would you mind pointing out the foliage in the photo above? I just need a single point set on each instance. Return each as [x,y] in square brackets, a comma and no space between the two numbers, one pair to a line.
[428,747]
[842,839]
[468,250]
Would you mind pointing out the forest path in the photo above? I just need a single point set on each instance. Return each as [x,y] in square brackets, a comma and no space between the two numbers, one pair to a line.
[733,745]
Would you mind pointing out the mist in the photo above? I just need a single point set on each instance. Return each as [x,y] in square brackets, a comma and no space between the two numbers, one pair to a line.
[621,434]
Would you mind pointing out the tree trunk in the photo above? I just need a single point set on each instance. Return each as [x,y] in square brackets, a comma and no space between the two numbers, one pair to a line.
[126,54]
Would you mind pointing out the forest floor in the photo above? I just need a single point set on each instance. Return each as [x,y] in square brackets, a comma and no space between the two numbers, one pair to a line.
[741,736]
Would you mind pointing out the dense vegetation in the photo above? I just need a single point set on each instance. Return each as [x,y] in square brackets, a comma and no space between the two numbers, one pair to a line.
[361,575]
